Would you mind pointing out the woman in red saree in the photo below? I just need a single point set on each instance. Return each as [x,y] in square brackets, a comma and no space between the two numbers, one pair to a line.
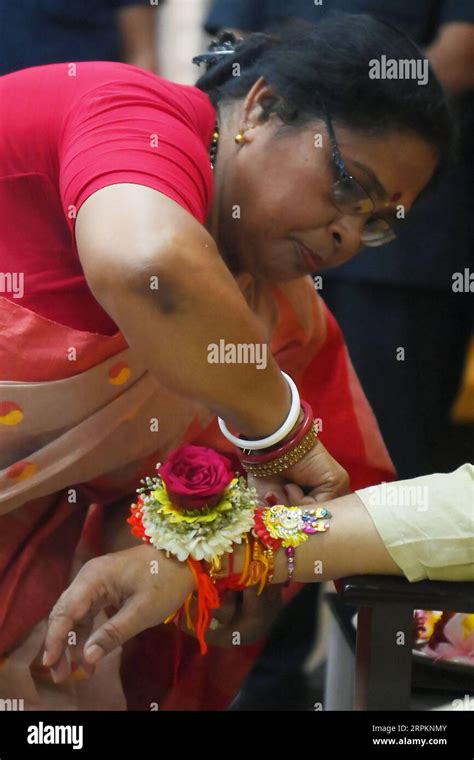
[124,259]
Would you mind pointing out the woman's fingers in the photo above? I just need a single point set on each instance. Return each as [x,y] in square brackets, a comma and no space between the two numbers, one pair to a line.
[321,473]
[334,488]
[269,489]
[257,613]
[294,494]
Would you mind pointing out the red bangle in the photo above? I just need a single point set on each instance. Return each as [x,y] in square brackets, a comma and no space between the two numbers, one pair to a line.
[269,454]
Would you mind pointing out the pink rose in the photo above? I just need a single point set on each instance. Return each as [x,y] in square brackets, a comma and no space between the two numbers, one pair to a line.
[196,477]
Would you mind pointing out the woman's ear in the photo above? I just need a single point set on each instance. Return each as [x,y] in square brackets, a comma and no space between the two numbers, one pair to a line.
[257,105]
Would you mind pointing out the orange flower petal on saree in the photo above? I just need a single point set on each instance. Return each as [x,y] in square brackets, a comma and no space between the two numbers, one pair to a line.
[22,470]
[119,373]
[10,413]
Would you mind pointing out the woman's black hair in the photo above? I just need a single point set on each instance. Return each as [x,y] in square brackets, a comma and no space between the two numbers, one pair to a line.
[309,65]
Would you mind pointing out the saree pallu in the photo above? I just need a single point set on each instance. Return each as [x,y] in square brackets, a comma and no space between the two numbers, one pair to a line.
[81,421]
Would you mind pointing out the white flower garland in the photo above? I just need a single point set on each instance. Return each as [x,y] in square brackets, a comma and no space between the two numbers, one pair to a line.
[203,534]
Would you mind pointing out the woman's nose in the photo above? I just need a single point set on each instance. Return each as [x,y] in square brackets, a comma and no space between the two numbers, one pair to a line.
[347,234]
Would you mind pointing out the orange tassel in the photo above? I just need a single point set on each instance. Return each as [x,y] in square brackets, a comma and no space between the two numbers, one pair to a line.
[208,599]
[187,610]
[247,559]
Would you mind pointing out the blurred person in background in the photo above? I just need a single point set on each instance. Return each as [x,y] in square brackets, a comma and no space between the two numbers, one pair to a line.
[398,297]
[37,32]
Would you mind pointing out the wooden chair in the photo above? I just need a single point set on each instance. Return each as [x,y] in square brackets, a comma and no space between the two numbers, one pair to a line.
[383,647]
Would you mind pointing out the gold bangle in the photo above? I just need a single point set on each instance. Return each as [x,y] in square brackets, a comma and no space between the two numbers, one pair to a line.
[278,465]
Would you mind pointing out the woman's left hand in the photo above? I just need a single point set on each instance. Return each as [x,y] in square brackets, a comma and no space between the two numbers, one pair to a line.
[319,475]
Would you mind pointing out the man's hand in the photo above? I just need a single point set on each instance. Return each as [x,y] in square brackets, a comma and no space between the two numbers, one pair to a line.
[142,583]
[243,618]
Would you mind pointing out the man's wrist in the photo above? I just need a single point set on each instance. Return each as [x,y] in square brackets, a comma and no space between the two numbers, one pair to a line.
[280,572]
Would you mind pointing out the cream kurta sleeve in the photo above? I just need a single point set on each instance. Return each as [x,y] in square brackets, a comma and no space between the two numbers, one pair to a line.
[427,524]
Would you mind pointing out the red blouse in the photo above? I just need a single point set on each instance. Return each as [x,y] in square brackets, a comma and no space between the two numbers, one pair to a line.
[67,130]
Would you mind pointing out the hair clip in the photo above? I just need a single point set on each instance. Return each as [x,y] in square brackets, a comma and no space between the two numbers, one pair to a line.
[211,58]
[225,45]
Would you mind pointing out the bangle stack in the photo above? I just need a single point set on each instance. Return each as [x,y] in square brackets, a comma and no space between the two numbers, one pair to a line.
[273,455]
[274,438]
[280,458]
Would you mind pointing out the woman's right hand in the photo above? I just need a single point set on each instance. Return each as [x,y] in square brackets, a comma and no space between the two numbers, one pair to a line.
[142,583]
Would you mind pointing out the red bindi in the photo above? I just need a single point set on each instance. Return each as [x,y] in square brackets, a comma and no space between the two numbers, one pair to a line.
[395,197]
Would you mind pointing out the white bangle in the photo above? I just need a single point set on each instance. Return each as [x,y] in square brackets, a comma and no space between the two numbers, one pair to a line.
[278,435]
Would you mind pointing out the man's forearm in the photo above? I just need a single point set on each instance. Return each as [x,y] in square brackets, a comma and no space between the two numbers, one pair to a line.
[351,546]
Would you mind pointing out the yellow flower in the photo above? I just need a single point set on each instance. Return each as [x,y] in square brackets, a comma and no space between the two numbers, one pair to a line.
[176,515]
[430,619]
[468,626]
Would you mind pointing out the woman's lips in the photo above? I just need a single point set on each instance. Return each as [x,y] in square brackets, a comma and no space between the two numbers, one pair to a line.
[312,260]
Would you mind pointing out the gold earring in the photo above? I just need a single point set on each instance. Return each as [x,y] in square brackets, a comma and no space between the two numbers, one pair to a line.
[240,138]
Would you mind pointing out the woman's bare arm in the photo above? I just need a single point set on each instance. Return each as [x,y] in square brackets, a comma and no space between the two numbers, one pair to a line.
[131,240]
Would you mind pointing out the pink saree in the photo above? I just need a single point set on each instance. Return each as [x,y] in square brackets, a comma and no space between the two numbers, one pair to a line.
[78,414]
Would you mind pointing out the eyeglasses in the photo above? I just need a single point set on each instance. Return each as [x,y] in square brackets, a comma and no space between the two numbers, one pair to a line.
[349,197]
